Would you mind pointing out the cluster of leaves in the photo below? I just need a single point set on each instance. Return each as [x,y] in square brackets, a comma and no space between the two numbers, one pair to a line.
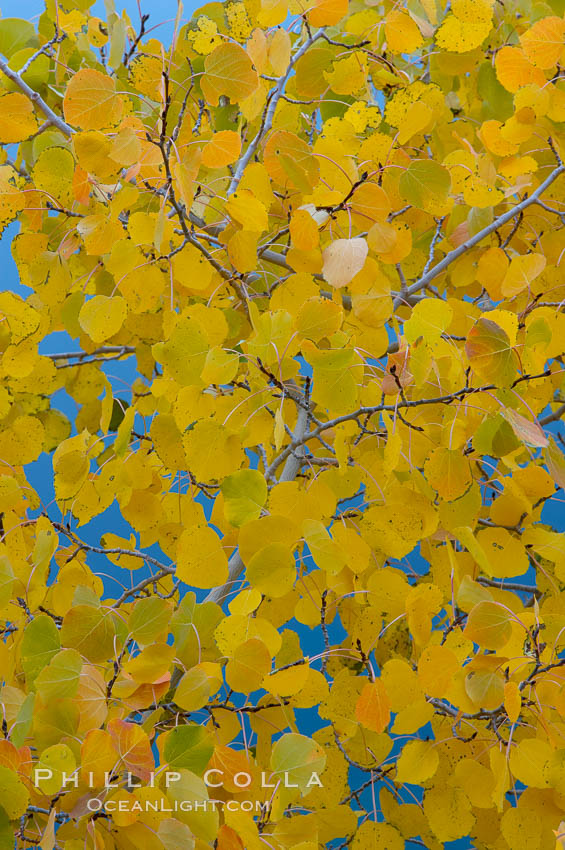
[329,236]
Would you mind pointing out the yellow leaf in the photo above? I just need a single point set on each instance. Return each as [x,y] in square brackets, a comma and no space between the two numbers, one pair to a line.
[250,664]
[505,554]
[489,625]
[418,762]
[242,250]
[279,51]
[228,71]
[18,118]
[245,493]
[318,318]
[288,682]
[377,835]
[449,472]
[22,441]
[485,688]
[53,175]
[191,269]
[436,669]
[512,701]
[102,317]
[461,36]
[521,272]
[184,353]
[247,211]
[429,319]
[402,33]
[90,101]
[272,570]
[195,688]
[201,560]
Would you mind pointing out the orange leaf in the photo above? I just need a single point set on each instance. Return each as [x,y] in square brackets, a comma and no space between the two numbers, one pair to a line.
[326,13]
[228,839]
[289,160]
[373,707]
[134,747]
[514,70]
[543,43]
[370,203]
[490,353]
[303,231]
[222,149]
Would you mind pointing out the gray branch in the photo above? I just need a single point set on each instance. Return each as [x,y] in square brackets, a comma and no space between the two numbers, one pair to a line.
[482,234]
[36,99]
[267,122]
[291,467]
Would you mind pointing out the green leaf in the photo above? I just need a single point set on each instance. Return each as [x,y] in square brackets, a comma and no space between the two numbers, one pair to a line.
[6,831]
[22,726]
[119,407]
[425,180]
[497,102]
[245,493]
[297,757]
[124,432]
[192,626]
[490,353]
[189,746]
[61,677]
[149,618]
[40,643]
[495,437]
[6,578]
[13,793]
[15,34]
[90,631]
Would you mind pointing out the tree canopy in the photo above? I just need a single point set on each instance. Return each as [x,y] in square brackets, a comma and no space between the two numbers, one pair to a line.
[327,239]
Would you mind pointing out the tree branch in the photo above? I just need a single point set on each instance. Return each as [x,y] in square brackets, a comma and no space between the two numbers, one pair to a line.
[36,99]
[449,258]
[114,352]
[163,569]
[292,465]
[555,416]
[502,584]
[267,122]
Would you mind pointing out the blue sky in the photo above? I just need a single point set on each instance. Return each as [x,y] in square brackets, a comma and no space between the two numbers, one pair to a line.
[162,13]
